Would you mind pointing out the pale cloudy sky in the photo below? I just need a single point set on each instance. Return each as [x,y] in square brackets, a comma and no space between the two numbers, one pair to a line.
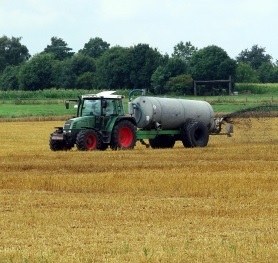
[233,25]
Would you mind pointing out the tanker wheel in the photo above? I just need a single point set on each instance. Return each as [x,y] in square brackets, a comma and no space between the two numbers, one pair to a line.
[59,145]
[186,141]
[162,142]
[88,140]
[195,134]
[123,136]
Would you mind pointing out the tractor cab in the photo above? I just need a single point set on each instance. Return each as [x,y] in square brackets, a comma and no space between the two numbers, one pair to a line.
[101,104]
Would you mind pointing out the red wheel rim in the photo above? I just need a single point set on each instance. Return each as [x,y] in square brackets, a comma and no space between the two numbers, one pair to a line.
[91,142]
[125,137]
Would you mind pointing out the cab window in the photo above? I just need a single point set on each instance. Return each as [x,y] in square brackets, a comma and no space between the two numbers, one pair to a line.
[91,107]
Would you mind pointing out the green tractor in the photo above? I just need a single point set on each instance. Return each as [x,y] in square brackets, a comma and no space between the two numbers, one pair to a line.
[100,123]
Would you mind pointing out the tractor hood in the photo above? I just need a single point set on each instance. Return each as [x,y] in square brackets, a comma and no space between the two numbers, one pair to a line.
[80,123]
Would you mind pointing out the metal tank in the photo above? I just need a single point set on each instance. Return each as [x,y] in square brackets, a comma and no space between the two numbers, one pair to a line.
[170,113]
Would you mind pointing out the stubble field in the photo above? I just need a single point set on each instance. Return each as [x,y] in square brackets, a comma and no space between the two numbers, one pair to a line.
[213,204]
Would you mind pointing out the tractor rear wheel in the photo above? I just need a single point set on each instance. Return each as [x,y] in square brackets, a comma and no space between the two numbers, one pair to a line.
[88,140]
[194,134]
[123,136]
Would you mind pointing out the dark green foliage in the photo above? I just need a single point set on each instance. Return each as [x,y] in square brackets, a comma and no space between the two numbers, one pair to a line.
[246,74]
[37,73]
[113,69]
[268,73]
[85,80]
[176,66]
[95,47]
[12,53]
[144,61]
[82,63]
[59,49]
[212,63]
[180,85]
[9,78]
[184,51]
[101,67]
[173,68]
[158,80]
[74,72]
[255,57]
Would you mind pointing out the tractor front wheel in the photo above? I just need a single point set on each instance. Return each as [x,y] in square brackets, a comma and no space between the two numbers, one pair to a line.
[88,140]
[123,136]
[56,145]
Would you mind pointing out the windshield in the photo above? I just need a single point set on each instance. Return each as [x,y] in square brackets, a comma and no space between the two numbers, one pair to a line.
[91,107]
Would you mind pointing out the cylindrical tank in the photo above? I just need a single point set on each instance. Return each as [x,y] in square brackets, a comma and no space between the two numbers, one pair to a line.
[170,113]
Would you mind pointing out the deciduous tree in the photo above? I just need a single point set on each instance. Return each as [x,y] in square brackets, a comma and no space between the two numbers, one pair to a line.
[173,67]
[212,63]
[59,49]
[158,80]
[9,78]
[113,69]
[69,73]
[268,73]
[255,57]
[95,47]
[12,52]
[246,74]
[36,74]
[184,51]
[144,61]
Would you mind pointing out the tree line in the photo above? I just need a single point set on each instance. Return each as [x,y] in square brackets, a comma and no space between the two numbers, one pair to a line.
[99,66]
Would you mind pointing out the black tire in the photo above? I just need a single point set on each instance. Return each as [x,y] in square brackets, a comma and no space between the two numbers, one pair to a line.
[56,145]
[195,134]
[103,146]
[162,142]
[88,140]
[123,136]
[155,142]
[186,141]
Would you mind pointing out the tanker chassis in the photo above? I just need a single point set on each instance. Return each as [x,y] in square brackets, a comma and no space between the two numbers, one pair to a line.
[101,123]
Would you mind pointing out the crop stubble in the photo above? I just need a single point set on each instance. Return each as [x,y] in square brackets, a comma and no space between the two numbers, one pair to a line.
[211,204]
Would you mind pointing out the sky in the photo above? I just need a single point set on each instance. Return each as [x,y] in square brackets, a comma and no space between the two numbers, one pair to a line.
[233,25]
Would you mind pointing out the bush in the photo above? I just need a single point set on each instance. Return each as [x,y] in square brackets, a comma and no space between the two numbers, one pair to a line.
[9,78]
[180,85]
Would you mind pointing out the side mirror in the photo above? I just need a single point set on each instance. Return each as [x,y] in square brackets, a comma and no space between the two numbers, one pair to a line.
[67,104]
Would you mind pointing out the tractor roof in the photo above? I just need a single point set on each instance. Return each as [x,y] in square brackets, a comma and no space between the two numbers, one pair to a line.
[104,94]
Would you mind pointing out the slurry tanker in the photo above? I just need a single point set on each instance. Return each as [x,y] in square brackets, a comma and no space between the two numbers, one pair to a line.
[101,122]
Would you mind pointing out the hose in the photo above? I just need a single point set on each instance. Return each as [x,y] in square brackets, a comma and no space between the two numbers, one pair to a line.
[136,90]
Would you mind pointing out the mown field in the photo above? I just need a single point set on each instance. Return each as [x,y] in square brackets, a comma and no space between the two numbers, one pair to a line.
[213,204]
